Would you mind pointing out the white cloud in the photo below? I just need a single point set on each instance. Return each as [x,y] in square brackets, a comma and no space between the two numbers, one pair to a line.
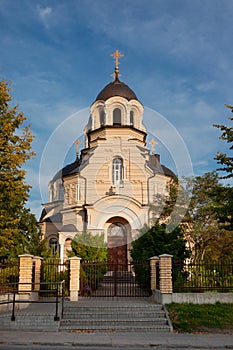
[44,13]
[206,86]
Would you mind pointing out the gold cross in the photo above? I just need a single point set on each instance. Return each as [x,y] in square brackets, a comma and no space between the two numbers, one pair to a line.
[153,143]
[77,143]
[117,55]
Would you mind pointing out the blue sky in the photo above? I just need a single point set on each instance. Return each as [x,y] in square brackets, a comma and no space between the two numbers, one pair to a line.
[178,60]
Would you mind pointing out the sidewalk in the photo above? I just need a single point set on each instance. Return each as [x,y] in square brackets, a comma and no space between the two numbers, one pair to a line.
[168,340]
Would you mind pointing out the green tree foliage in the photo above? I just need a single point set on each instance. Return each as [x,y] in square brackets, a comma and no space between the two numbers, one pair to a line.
[158,240]
[16,222]
[155,241]
[208,221]
[223,158]
[35,244]
[89,247]
[171,207]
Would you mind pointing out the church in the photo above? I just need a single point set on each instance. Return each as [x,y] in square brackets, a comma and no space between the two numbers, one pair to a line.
[110,187]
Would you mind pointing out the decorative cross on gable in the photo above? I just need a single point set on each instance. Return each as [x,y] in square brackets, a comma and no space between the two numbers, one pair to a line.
[153,143]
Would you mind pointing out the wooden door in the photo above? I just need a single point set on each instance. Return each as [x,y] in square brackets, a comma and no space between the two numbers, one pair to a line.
[117,247]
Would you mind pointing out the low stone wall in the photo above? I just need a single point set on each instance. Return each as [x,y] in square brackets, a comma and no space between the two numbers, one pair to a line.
[194,298]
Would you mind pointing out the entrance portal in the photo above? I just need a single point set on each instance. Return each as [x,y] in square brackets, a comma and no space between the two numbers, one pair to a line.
[117,245]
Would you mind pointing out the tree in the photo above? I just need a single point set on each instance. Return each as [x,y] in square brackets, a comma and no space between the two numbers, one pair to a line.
[208,221]
[170,208]
[157,240]
[223,158]
[89,247]
[33,242]
[15,150]
[92,249]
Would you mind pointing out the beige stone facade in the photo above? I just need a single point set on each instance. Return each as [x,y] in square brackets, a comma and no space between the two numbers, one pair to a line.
[111,186]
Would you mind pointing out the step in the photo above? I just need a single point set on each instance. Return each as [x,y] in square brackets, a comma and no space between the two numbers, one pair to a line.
[117,328]
[115,313]
[131,321]
[117,316]
[115,309]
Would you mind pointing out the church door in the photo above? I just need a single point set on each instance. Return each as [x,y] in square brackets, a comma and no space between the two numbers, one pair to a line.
[117,246]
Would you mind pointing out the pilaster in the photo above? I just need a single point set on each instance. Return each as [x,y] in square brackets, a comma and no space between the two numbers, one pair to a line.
[74,278]
[37,260]
[25,273]
[165,269]
[153,276]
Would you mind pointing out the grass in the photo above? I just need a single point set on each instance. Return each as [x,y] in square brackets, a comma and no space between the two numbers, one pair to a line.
[210,318]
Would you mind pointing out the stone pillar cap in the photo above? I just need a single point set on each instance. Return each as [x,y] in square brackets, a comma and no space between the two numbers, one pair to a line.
[166,256]
[26,256]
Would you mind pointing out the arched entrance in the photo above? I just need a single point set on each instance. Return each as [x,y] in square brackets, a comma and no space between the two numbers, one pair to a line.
[117,242]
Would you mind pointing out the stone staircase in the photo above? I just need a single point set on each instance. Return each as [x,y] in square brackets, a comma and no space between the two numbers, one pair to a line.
[121,315]
[91,314]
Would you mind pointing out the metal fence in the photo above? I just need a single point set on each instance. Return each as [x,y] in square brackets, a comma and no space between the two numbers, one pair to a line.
[104,279]
[9,274]
[56,289]
[203,276]
[53,270]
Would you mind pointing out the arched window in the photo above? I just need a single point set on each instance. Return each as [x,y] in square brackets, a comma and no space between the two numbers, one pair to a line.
[102,117]
[117,172]
[131,118]
[117,229]
[53,245]
[61,192]
[116,116]
[51,192]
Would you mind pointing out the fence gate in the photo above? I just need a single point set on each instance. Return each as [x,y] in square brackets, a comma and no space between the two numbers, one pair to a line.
[104,279]
[52,270]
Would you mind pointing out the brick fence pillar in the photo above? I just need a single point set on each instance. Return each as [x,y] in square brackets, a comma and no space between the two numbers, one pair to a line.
[74,278]
[153,276]
[25,273]
[165,269]
[37,260]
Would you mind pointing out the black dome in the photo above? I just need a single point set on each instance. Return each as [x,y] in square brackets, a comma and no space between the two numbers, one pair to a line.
[67,170]
[116,88]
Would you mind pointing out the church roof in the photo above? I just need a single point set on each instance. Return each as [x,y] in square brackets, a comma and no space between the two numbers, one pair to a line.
[53,218]
[69,169]
[167,171]
[116,88]
[154,164]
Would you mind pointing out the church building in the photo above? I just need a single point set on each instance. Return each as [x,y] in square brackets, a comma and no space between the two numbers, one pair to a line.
[110,187]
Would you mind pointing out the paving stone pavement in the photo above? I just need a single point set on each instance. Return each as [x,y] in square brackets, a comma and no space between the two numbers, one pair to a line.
[127,340]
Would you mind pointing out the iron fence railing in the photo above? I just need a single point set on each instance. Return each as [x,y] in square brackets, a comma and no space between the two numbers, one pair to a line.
[53,270]
[104,279]
[56,291]
[203,276]
[9,273]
